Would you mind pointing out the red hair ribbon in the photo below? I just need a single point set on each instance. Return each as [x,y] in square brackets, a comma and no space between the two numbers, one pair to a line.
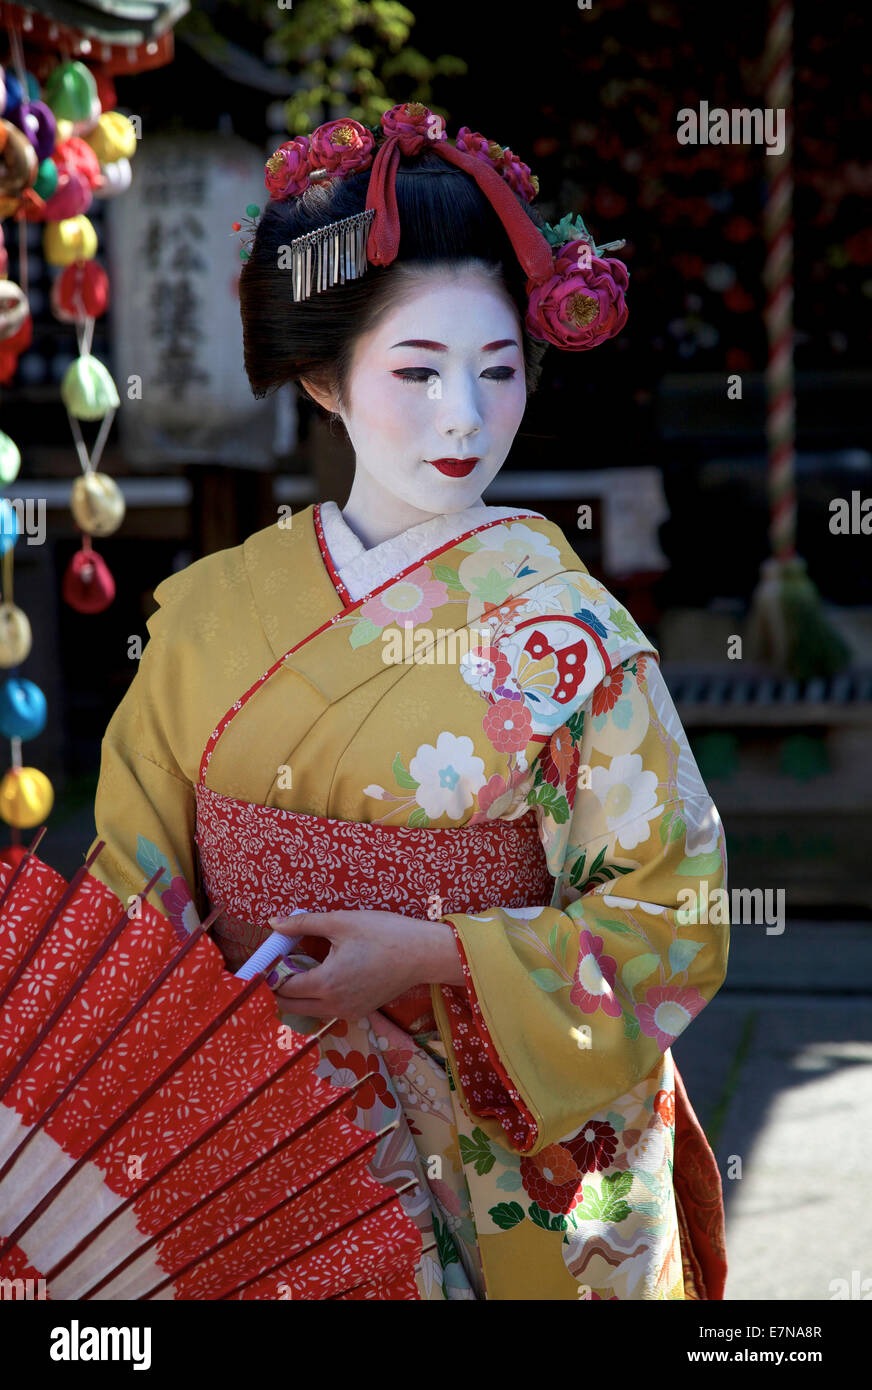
[531,247]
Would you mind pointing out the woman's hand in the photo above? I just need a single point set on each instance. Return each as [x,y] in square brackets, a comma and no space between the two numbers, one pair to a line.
[374,957]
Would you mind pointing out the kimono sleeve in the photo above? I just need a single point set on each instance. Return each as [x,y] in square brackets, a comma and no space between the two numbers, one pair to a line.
[145,802]
[568,1006]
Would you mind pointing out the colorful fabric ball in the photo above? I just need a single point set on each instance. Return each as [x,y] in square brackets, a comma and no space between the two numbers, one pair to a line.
[26,797]
[97,504]
[117,178]
[18,163]
[8,526]
[73,152]
[23,709]
[88,390]
[16,638]
[80,291]
[71,198]
[14,309]
[37,122]
[74,239]
[10,459]
[70,91]
[88,585]
[113,137]
[46,179]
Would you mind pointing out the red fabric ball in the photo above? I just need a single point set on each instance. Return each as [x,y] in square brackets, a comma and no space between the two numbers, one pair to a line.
[75,154]
[13,854]
[12,348]
[86,281]
[88,585]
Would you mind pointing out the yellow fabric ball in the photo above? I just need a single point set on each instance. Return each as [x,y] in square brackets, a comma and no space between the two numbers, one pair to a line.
[26,797]
[113,137]
[16,638]
[74,239]
[97,504]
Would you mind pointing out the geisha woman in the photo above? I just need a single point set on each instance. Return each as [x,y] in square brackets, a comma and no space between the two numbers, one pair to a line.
[418,723]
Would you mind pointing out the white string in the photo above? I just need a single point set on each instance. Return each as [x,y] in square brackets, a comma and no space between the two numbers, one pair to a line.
[99,444]
[81,450]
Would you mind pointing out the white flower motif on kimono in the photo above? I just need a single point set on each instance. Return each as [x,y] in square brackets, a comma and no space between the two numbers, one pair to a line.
[628,795]
[448,775]
[631,904]
[517,541]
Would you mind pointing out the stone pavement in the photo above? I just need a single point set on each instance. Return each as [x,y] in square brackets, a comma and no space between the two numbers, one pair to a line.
[779,1070]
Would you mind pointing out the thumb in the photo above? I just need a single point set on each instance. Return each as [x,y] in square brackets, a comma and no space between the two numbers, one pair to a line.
[291,923]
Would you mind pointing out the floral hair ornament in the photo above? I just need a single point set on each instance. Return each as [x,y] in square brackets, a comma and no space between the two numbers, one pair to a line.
[575,293]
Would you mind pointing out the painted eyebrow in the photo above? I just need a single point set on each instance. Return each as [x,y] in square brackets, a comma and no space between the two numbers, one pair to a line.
[440,347]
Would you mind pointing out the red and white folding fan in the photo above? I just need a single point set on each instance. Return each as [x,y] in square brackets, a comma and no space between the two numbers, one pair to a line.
[162,1134]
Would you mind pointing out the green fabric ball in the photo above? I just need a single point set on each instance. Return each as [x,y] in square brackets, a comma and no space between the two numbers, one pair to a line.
[88,390]
[46,179]
[71,91]
[10,459]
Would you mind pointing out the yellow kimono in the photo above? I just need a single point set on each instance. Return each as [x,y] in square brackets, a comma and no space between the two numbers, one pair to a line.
[458,723]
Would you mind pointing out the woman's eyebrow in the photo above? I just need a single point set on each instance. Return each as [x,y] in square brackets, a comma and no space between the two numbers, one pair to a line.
[421,343]
[440,347]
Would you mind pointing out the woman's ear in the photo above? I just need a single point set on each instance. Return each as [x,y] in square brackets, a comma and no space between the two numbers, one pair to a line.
[320,394]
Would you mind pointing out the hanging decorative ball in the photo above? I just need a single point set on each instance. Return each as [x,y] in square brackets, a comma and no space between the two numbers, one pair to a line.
[74,239]
[14,308]
[8,526]
[2,90]
[16,638]
[26,797]
[12,348]
[18,162]
[87,389]
[72,197]
[13,91]
[88,585]
[117,178]
[13,855]
[114,137]
[46,179]
[81,291]
[97,504]
[10,459]
[22,709]
[74,153]
[38,124]
[70,90]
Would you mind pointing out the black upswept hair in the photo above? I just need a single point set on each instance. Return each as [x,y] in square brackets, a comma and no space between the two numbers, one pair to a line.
[444,218]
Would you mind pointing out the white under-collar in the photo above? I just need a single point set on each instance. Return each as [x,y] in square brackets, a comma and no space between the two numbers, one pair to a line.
[362,570]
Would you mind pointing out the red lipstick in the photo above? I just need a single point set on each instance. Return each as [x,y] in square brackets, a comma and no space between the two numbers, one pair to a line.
[455,468]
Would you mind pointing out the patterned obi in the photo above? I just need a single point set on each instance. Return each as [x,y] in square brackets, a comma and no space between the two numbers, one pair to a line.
[262,861]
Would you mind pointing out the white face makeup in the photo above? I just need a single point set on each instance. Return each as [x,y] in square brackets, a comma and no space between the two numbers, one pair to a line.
[441,377]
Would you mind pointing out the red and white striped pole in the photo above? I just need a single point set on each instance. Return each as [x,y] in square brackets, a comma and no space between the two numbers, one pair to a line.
[778,281]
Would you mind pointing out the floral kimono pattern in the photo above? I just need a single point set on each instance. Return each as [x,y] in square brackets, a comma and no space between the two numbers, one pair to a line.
[329,752]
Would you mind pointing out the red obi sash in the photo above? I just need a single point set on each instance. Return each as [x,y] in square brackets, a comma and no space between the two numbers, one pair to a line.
[262,861]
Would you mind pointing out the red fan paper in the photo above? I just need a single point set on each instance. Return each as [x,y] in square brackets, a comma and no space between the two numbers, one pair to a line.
[162,1135]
